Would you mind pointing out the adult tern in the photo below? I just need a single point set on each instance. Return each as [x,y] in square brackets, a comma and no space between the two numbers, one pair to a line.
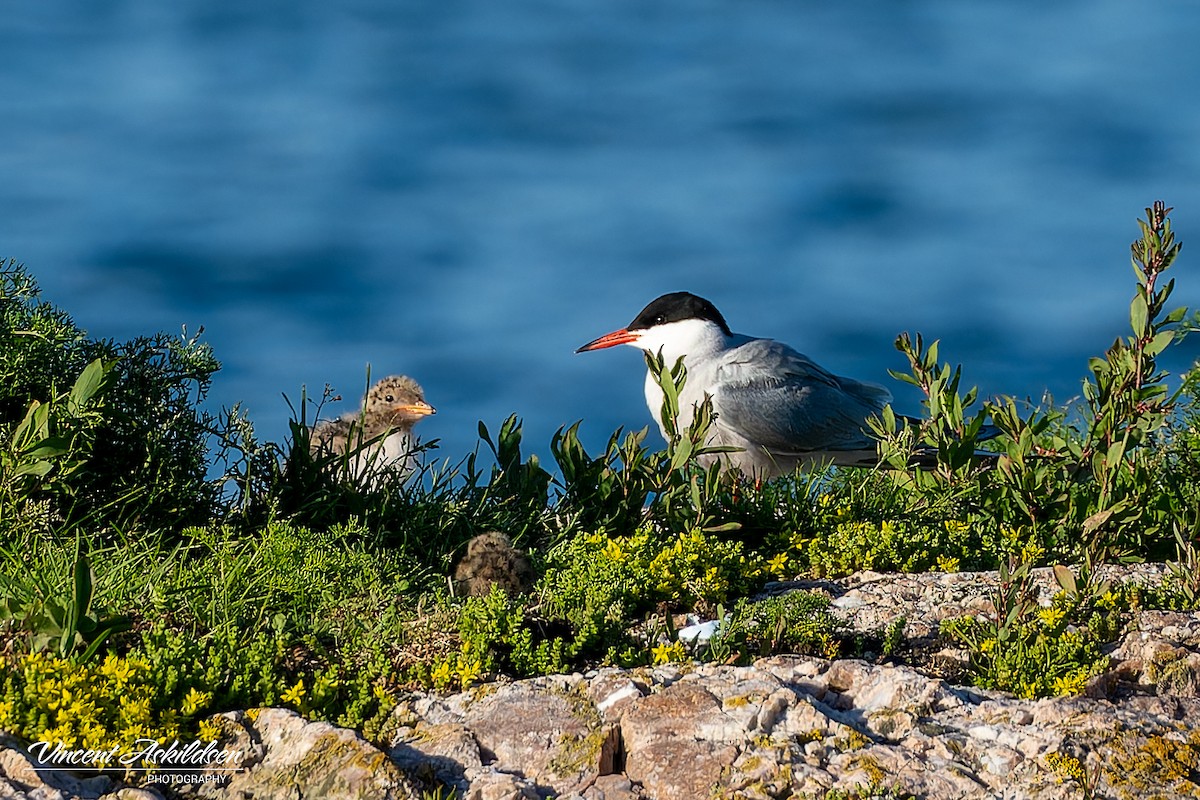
[778,406]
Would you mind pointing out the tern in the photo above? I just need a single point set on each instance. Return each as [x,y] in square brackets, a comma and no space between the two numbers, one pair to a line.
[780,408]
[492,560]
[380,436]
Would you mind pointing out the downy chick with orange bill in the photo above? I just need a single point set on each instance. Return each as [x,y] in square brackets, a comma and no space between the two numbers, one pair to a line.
[380,436]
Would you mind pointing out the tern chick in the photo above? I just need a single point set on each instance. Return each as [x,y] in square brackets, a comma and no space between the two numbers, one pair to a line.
[491,560]
[380,435]
[778,406]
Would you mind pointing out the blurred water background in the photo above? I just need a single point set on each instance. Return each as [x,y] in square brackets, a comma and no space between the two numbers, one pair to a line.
[467,190]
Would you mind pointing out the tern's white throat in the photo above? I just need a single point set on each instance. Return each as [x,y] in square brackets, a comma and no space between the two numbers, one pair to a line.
[689,338]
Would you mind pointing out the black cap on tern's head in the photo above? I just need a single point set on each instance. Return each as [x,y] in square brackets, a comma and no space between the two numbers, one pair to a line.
[676,307]
[673,307]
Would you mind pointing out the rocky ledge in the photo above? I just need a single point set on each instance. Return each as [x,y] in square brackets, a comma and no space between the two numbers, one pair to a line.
[785,727]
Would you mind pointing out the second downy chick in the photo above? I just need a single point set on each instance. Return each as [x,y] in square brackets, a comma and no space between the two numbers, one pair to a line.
[492,560]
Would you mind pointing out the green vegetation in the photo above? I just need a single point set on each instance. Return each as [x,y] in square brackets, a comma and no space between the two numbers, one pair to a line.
[124,565]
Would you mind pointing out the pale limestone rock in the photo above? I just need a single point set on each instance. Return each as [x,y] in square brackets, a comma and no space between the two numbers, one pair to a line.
[661,733]
[542,732]
[612,691]
[289,758]
[436,752]
[20,778]
[612,787]
[547,731]
[487,783]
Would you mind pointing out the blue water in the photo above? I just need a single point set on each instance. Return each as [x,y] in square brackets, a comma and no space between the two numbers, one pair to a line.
[467,190]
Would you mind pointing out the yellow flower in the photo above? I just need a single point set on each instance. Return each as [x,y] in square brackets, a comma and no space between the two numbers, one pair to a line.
[1068,767]
[830,646]
[195,700]
[209,731]
[1051,616]
[96,738]
[295,695]
[666,653]
[1032,552]
[60,698]
[440,676]
[47,688]
[1027,690]
[1071,684]
[79,709]
[468,671]
[778,565]
[118,670]
[60,733]
[131,733]
[134,710]
[948,564]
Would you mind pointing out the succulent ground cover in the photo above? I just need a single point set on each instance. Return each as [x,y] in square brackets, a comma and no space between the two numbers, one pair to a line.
[159,563]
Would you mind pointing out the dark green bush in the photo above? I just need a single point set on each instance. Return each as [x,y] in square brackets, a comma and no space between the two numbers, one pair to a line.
[144,458]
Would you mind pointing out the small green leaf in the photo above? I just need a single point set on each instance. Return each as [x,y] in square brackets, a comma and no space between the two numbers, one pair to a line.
[49,448]
[1065,578]
[1175,315]
[1160,342]
[904,376]
[1138,314]
[86,385]
[85,583]
[1116,451]
[1096,520]
[35,425]
[38,469]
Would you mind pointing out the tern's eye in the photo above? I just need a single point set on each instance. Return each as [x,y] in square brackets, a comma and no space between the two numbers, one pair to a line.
[660,319]
[389,399]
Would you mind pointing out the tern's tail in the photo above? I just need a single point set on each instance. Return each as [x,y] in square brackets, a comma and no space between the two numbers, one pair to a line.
[985,431]
[926,458]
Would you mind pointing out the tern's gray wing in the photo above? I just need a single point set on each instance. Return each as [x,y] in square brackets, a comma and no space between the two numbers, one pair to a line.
[783,401]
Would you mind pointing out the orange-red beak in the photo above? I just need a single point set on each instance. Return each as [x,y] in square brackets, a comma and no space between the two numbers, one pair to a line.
[623,336]
[418,409]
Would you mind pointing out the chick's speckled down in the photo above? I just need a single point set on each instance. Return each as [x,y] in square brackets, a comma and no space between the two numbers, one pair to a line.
[491,560]
[379,436]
